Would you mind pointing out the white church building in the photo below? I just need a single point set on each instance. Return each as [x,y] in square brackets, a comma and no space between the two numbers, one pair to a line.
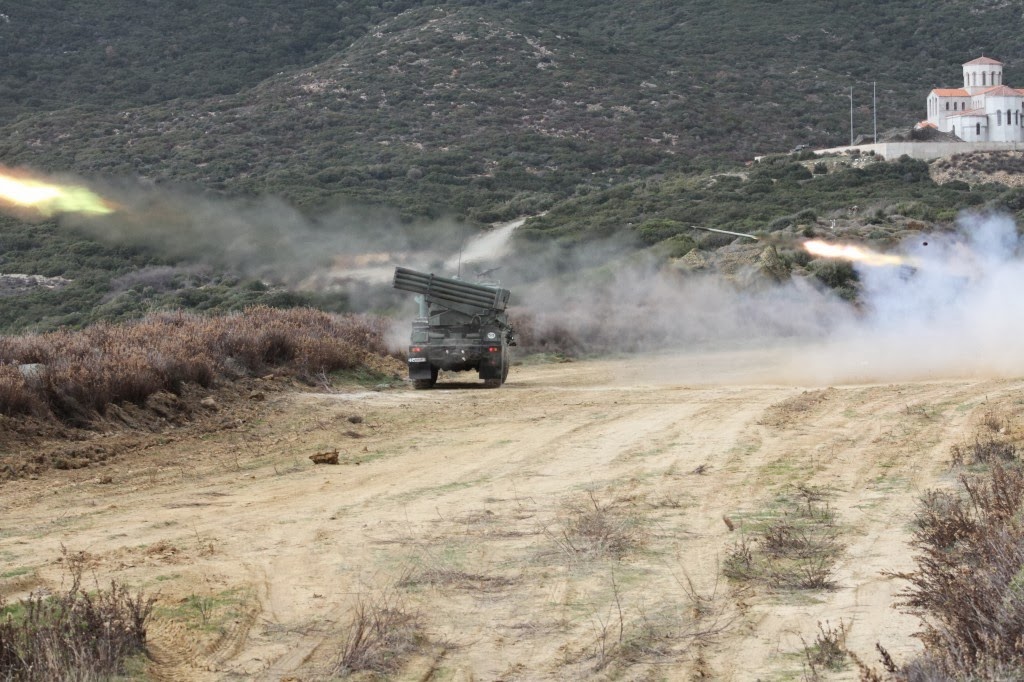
[983,110]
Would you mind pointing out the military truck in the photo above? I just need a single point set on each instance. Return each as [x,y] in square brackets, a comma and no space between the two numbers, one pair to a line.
[461,326]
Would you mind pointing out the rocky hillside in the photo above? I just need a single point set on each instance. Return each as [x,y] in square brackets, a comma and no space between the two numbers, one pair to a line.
[628,121]
[467,108]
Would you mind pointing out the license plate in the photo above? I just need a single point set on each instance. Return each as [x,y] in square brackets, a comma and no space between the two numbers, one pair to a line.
[417,359]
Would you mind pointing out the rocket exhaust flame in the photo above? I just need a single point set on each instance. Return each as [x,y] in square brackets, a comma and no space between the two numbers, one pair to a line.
[852,252]
[48,199]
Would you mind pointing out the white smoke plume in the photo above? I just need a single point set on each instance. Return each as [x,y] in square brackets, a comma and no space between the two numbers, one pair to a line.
[954,312]
[265,237]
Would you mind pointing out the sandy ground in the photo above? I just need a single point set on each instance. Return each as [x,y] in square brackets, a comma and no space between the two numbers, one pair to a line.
[457,507]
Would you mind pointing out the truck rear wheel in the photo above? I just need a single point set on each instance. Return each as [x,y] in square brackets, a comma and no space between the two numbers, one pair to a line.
[495,383]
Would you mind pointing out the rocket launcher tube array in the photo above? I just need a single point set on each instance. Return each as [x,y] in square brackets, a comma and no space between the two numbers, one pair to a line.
[441,289]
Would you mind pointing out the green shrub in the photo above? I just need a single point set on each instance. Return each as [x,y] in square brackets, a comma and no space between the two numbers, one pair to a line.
[834,274]
[654,231]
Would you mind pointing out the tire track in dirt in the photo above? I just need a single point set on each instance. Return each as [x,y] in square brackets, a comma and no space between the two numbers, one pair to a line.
[875,497]
[462,494]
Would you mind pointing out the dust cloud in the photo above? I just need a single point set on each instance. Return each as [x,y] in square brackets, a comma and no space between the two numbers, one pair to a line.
[267,238]
[955,313]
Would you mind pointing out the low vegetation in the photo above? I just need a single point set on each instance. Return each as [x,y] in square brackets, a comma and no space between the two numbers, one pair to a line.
[795,548]
[968,583]
[76,634]
[828,652]
[590,528]
[73,377]
[383,631]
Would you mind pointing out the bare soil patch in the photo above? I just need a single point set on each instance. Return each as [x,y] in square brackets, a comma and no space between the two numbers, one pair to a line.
[566,526]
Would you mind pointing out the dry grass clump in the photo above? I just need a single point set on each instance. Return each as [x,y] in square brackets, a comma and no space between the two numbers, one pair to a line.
[590,528]
[436,571]
[984,450]
[794,551]
[968,587]
[828,652]
[383,632]
[73,635]
[795,409]
[630,632]
[74,376]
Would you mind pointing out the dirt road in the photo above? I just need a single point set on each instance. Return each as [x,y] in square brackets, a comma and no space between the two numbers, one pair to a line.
[567,526]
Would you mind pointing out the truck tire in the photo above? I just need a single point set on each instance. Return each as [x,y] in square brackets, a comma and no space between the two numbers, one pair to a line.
[492,383]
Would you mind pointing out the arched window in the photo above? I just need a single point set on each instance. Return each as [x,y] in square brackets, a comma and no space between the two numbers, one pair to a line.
[978,130]
[947,106]
[1008,121]
[999,117]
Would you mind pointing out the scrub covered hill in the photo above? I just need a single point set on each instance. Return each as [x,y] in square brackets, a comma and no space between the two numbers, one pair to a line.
[615,120]
[465,108]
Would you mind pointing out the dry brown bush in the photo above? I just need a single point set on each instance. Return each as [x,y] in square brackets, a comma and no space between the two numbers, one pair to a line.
[73,635]
[84,372]
[968,587]
[983,451]
[591,528]
[16,396]
[795,551]
[383,631]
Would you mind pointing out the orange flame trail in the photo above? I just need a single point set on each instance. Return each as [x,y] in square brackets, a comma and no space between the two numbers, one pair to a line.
[49,199]
[852,252]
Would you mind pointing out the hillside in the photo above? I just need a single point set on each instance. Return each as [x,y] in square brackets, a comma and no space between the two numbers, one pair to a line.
[616,121]
[461,107]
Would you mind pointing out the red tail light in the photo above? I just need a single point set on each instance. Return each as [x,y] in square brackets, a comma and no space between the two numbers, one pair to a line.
[415,349]
[492,349]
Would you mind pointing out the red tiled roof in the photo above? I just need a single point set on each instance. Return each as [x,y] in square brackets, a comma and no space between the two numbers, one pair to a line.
[951,92]
[983,60]
[925,124]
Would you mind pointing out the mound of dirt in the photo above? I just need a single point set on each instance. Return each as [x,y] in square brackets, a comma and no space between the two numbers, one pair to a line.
[30,446]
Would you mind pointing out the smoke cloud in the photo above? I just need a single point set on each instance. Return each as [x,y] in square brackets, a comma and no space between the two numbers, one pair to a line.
[955,312]
[268,239]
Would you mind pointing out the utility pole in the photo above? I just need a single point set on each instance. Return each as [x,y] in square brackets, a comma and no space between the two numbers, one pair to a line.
[874,109]
[851,115]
